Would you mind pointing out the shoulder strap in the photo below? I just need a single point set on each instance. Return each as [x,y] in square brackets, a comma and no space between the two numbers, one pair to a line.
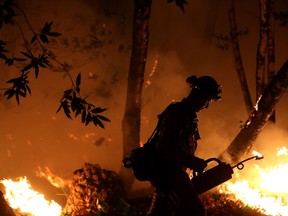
[160,118]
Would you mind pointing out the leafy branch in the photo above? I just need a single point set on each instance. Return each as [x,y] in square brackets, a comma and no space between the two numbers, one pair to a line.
[19,87]
[7,12]
[282,18]
[179,3]
[223,41]
[71,101]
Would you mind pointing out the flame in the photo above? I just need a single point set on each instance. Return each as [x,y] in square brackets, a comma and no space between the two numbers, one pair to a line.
[255,153]
[266,190]
[152,72]
[22,197]
[282,151]
[56,181]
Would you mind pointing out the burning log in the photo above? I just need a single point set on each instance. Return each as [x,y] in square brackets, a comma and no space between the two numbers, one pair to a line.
[5,209]
[95,190]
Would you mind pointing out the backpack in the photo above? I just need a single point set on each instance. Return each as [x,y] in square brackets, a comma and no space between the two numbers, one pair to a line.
[142,159]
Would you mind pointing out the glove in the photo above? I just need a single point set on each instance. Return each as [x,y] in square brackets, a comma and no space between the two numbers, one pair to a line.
[198,164]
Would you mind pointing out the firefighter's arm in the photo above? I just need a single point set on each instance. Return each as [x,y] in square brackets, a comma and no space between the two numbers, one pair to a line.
[195,163]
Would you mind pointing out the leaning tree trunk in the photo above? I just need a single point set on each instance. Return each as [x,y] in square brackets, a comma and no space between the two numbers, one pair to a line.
[237,56]
[244,141]
[131,121]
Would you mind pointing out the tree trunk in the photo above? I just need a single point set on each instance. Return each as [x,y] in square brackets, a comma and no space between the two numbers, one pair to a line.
[244,141]
[271,46]
[237,56]
[261,49]
[131,121]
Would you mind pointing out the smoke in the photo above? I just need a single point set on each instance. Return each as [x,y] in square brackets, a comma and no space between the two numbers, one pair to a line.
[270,141]
[33,135]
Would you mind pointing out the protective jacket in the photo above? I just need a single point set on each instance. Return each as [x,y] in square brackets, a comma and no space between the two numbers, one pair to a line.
[178,135]
[177,143]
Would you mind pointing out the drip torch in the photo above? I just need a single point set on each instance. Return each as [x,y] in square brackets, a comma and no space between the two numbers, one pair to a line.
[217,175]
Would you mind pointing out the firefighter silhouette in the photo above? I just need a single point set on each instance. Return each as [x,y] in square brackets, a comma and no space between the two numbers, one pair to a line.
[177,142]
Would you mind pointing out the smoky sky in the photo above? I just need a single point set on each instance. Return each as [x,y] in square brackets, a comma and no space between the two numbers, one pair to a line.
[180,45]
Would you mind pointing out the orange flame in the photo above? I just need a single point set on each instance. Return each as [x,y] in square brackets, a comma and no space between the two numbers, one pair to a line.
[56,181]
[148,82]
[266,190]
[22,197]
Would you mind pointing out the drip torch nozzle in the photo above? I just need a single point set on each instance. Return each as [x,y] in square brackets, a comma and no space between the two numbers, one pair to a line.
[240,165]
[258,157]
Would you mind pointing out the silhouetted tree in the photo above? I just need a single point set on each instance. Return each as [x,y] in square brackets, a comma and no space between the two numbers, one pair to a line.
[267,97]
[245,139]
[131,122]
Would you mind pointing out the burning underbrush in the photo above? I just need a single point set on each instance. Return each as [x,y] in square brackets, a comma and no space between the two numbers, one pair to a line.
[257,190]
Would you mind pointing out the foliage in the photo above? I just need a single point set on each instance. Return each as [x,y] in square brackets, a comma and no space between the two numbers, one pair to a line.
[218,204]
[179,3]
[7,12]
[282,18]
[37,56]
[71,102]
[224,41]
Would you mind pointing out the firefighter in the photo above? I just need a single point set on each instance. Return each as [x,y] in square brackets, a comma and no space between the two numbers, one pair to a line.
[177,142]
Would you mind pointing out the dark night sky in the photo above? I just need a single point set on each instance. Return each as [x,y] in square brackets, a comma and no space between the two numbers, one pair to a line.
[33,135]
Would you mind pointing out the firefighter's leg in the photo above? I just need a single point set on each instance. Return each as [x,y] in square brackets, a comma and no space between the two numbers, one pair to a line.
[190,204]
[163,204]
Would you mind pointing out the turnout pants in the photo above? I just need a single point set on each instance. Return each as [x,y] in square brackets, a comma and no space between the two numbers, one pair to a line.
[174,196]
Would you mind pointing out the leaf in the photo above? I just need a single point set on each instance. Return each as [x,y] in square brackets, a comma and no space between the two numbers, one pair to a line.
[83,116]
[2,43]
[3,56]
[19,59]
[9,61]
[28,89]
[10,93]
[54,34]
[28,55]
[17,98]
[97,122]
[47,27]
[75,103]
[36,67]
[34,38]
[67,93]
[44,38]
[179,3]
[59,108]
[98,110]
[27,67]
[12,80]
[103,118]
[21,93]
[78,111]
[78,80]
[66,110]
[88,119]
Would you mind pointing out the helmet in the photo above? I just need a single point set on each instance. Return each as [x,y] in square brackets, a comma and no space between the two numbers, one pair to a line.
[206,85]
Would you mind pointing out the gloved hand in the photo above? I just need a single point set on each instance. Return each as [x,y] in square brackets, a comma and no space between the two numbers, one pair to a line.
[198,164]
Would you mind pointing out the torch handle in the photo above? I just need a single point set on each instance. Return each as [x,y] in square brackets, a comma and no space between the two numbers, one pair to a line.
[207,161]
